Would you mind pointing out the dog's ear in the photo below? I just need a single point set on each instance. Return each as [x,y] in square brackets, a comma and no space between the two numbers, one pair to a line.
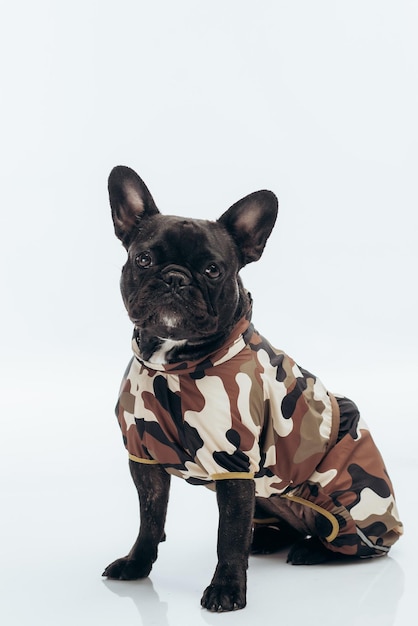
[130,200]
[250,222]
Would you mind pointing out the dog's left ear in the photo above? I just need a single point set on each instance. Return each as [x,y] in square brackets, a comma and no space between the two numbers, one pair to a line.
[130,200]
[250,222]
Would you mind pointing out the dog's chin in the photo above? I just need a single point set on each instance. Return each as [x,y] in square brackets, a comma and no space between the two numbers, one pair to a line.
[171,325]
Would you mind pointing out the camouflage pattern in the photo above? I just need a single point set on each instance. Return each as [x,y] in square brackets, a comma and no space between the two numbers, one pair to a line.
[249,411]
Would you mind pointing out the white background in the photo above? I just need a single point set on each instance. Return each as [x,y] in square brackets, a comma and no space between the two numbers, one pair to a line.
[208,101]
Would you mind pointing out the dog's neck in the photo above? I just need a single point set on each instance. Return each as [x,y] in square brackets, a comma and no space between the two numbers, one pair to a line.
[161,351]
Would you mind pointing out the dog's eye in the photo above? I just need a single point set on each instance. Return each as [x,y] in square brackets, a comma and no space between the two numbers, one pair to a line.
[144,259]
[212,271]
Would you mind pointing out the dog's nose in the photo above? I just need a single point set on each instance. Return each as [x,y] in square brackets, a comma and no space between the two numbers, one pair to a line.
[176,276]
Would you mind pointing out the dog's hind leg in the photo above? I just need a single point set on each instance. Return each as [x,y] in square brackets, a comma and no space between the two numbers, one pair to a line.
[275,526]
[153,485]
[271,536]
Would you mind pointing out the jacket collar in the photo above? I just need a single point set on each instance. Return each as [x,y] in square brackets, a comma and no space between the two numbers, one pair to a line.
[236,342]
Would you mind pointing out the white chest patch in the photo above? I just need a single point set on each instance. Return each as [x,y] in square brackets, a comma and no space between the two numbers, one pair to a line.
[160,356]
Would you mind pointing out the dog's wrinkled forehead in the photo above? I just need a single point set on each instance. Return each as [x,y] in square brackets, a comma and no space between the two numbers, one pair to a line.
[179,239]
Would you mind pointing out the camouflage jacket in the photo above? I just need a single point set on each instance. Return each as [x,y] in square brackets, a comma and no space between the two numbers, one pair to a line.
[246,411]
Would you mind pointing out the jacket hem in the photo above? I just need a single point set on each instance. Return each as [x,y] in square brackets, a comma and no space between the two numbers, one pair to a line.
[330,517]
[137,459]
[228,475]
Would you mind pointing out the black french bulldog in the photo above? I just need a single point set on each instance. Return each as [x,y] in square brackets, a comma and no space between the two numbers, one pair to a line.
[192,402]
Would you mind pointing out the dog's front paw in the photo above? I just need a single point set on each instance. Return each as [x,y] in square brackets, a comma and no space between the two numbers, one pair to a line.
[128,569]
[224,597]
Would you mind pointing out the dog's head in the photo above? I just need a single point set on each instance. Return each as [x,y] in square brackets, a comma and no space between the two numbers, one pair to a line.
[181,282]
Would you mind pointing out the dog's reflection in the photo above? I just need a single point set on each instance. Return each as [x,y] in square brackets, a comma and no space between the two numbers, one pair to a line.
[365,593]
[145,598]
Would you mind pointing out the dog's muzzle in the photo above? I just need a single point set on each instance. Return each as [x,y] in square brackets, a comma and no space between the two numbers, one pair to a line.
[176,276]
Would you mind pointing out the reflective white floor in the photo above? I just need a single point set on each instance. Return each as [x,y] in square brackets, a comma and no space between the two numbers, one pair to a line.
[69,508]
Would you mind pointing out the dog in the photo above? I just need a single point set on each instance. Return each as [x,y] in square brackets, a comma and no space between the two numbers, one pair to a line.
[207,398]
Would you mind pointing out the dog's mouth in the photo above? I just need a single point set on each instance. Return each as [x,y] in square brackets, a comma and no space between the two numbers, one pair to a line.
[173,314]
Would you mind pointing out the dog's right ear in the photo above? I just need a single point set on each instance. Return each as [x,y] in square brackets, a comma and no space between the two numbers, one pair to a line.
[130,200]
